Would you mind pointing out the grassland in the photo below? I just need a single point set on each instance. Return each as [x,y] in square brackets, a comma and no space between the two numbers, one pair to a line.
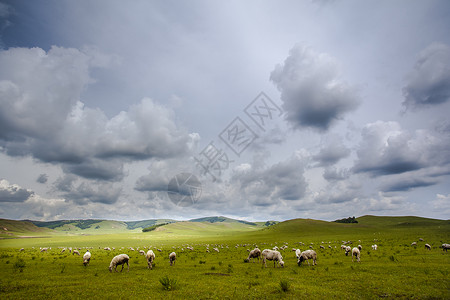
[395,270]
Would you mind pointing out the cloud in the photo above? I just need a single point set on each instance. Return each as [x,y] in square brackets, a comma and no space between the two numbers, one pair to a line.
[442,204]
[331,152]
[40,96]
[406,160]
[83,192]
[264,187]
[42,178]
[13,192]
[386,149]
[313,93]
[429,81]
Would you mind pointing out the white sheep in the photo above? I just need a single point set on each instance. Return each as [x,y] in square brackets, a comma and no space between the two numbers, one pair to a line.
[356,253]
[413,244]
[255,253]
[107,249]
[44,249]
[274,255]
[427,246]
[307,255]
[86,258]
[445,247]
[118,260]
[21,249]
[347,250]
[217,250]
[298,252]
[150,256]
[141,252]
[63,250]
[374,247]
[172,258]
[75,251]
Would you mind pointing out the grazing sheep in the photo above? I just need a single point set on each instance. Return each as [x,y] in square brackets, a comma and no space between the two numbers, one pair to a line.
[427,246]
[150,256]
[159,250]
[356,253]
[420,239]
[413,244]
[216,249]
[63,250]
[445,247]
[86,258]
[255,253]
[307,255]
[172,258]
[118,260]
[274,255]
[298,252]
[322,247]
[360,247]
[374,247]
[343,247]
[44,249]
[141,252]
[21,249]
[107,249]
[347,250]
[75,251]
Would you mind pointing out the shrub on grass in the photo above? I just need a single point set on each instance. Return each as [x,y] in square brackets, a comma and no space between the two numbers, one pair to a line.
[19,265]
[284,285]
[169,284]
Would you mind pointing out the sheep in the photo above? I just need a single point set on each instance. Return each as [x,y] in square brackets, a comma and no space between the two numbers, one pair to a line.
[107,249]
[413,244]
[216,249]
[44,249]
[322,247]
[75,251]
[356,253]
[150,256]
[445,247]
[347,250]
[141,252]
[374,247]
[274,255]
[298,252]
[172,258]
[255,253]
[360,247]
[427,246]
[63,250]
[118,260]
[21,249]
[420,239]
[306,255]
[86,258]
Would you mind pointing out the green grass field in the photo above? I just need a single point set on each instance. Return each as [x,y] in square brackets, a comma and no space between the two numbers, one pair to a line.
[395,270]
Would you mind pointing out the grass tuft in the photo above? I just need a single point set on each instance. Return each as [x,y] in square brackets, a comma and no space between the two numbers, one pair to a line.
[19,265]
[285,285]
[169,284]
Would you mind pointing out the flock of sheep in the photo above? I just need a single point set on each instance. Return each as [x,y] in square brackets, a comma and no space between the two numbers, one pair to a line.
[266,254]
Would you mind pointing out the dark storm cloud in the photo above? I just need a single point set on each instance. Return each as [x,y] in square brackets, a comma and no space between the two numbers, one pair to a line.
[42,178]
[406,160]
[81,191]
[407,184]
[429,82]
[312,91]
[42,116]
[151,183]
[13,193]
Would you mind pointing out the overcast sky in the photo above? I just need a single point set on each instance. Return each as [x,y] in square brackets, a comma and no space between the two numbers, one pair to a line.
[279,109]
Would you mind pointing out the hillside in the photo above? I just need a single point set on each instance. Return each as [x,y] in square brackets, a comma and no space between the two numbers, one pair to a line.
[12,228]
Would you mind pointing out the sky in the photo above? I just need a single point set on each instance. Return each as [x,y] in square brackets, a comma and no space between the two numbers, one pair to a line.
[256,110]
